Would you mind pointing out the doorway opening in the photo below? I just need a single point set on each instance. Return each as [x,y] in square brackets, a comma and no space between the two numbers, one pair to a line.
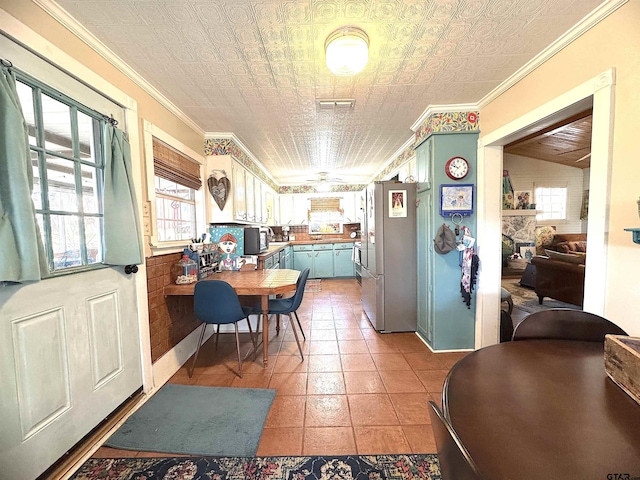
[595,94]
[546,177]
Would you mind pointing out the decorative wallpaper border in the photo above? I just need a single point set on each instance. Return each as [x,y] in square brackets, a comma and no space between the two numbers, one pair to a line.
[397,162]
[445,122]
[448,122]
[312,189]
[226,146]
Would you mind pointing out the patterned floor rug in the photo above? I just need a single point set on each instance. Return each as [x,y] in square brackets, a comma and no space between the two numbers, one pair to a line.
[313,285]
[526,299]
[263,468]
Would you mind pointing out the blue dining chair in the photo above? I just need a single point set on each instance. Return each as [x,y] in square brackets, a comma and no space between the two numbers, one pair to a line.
[289,306]
[216,302]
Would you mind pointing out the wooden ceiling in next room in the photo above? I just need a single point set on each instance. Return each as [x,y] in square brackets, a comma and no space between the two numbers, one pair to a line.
[567,142]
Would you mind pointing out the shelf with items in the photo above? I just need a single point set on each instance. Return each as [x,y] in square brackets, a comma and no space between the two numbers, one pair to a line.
[635,234]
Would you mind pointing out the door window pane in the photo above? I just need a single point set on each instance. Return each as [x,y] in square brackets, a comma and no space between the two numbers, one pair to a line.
[65,240]
[62,185]
[93,236]
[57,126]
[86,124]
[25,93]
[90,201]
[36,193]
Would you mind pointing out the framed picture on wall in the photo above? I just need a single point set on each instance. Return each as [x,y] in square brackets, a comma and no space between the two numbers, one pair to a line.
[456,199]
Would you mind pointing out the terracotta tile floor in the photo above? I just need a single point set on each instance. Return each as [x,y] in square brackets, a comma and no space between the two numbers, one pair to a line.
[356,392]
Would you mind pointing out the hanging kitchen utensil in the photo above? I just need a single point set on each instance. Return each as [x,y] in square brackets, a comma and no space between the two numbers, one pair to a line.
[219,188]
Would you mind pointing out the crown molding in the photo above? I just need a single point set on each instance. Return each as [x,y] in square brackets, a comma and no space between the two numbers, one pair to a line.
[592,19]
[431,109]
[75,27]
[242,146]
[409,143]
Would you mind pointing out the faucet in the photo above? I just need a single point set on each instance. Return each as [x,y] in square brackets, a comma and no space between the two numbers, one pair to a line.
[272,235]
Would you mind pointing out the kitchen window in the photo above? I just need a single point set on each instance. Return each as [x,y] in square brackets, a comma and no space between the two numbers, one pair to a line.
[66,146]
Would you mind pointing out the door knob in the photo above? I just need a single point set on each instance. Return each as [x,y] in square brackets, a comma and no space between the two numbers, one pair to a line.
[129,269]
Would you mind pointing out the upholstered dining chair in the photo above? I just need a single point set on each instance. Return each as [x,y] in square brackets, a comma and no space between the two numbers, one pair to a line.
[289,306]
[455,461]
[565,324]
[216,302]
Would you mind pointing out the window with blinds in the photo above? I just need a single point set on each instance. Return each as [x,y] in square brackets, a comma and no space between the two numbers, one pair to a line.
[325,215]
[177,178]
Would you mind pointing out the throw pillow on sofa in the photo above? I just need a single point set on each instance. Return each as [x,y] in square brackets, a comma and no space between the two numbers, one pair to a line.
[566,257]
[571,246]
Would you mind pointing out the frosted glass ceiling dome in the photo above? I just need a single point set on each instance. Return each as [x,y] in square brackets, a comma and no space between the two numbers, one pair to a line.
[347,51]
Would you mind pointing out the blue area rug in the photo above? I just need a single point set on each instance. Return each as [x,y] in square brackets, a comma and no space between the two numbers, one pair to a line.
[365,467]
[197,421]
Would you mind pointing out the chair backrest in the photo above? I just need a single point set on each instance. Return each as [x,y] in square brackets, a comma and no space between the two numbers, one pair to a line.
[215,301]
[297,297]
[506,326]
[565,324]
[455,461]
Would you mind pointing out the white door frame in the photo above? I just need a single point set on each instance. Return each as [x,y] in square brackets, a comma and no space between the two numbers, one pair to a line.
[599,92]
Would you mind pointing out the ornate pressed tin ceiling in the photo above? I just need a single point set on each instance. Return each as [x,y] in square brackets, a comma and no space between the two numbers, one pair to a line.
[257,68]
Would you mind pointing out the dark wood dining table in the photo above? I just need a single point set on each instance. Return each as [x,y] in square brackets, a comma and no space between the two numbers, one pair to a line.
[251,282]
[543,409]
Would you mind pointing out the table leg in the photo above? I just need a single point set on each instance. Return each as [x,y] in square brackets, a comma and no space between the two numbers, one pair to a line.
[265,328]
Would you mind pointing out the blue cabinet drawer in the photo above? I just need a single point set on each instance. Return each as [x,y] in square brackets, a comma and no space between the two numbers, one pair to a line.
[323,246]
[343,246]
[302,248]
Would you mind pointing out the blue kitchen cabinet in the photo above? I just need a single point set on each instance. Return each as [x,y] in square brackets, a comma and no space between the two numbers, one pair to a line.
[303,258]
[444,320]
[424,162]
[288,257]
[343,265]
[323,262]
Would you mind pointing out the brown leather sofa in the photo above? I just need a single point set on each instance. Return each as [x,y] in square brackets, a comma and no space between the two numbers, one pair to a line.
[562,278]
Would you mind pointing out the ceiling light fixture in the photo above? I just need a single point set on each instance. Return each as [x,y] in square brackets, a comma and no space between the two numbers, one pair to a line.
[347,51]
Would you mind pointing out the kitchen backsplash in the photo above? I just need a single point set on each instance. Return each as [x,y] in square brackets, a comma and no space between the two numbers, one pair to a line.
[301,232]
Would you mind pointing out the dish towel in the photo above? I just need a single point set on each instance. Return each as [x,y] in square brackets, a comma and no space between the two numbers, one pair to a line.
[469,264]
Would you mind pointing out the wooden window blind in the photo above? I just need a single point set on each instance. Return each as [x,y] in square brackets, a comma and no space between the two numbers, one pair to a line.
[325,204]
[174,166]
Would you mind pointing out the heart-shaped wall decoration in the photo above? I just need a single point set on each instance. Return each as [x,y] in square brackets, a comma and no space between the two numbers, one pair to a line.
[219,189]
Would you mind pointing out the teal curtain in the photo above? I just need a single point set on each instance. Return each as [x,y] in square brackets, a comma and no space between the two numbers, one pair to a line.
[121,227]
[22,257]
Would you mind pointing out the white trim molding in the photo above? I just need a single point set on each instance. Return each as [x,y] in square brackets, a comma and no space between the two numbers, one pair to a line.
[75,27]
[592,19]
[431,109]
[598,92]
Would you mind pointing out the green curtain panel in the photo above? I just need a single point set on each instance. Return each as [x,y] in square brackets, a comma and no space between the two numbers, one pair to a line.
[22,257]
[121,234]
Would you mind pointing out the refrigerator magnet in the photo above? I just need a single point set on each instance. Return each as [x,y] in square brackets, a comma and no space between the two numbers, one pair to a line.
[397,203]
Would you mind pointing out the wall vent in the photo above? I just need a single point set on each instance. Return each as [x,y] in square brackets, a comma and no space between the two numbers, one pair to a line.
[341,104]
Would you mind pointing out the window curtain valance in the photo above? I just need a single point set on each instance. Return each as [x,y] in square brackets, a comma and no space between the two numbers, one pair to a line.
[175,167]
[22,257]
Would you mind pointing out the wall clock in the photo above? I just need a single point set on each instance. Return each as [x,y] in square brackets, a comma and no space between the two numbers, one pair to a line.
[456,168]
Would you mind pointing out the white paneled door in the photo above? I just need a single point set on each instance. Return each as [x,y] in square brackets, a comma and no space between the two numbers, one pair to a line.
[70,355]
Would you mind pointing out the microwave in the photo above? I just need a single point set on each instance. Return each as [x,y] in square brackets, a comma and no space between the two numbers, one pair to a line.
[256,240]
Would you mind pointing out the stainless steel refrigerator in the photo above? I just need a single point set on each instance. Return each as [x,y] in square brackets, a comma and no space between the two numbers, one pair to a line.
[389,257]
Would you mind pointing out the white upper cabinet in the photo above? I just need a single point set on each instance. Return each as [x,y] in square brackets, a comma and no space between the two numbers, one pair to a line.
[249,190]
[248,200]
[286,209]
[348,204]
[240,194]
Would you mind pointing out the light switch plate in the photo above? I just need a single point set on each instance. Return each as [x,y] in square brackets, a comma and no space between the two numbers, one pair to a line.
[146,222]
[146,209]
